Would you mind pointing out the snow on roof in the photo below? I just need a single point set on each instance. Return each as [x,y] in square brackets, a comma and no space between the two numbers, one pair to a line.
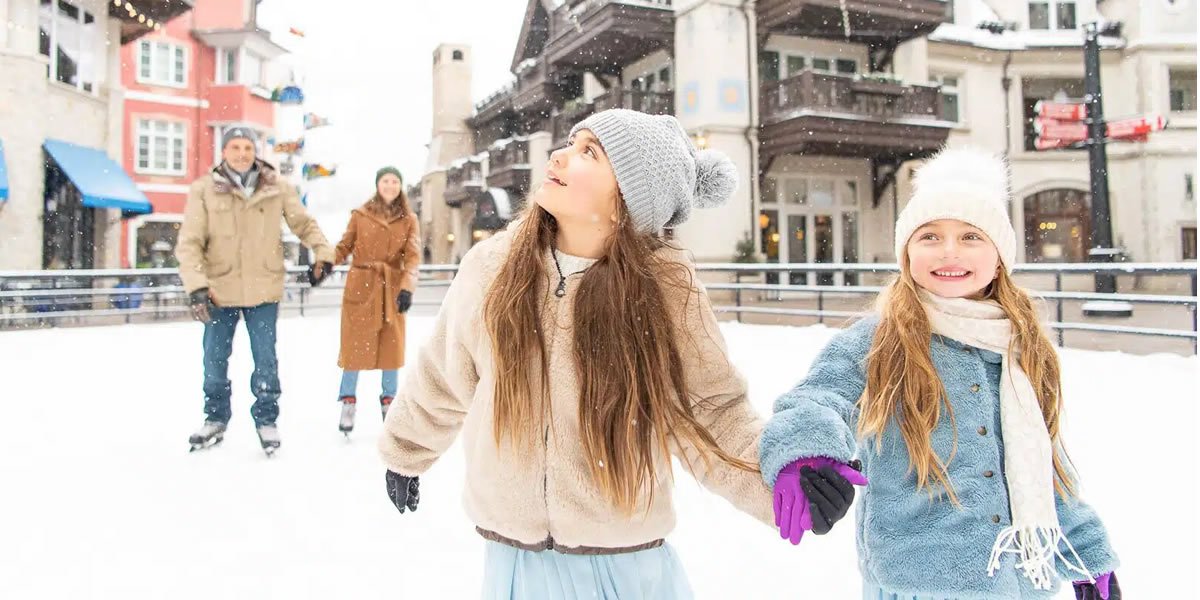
[527,64]
[501,143]
[1026,39]
[1015,40]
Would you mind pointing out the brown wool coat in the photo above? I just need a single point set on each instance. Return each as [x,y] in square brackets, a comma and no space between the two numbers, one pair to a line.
[546,497]
[386,253]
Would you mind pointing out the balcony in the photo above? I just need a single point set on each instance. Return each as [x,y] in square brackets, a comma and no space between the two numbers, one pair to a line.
[464,182]
[655,103]
[872,22]
[835,115]
[237,103]
[536,92]
[494,118]
[508,165]
[602,35]
[139,17]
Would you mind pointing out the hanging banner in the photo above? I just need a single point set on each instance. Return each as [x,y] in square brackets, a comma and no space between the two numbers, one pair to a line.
[316,171]
[288,94]
[287,147]
[313,120]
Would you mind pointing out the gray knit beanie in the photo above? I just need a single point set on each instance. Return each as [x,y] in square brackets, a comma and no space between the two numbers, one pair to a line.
[234,133]
[659,172]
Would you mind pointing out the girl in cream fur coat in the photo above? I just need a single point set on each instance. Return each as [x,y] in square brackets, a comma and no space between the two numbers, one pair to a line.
[578,353]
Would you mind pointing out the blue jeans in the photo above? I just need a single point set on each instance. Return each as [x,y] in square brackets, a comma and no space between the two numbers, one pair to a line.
[391,381]
[218,345]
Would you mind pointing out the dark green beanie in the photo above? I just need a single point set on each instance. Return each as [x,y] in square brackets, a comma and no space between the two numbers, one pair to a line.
[386,170]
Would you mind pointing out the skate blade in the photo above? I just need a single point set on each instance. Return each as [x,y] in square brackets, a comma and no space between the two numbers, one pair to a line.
[206,445]
[270,451]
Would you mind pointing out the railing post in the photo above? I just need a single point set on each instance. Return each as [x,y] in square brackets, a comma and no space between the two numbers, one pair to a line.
[1058,317]
[737,297]
[821,306]
[1192,276]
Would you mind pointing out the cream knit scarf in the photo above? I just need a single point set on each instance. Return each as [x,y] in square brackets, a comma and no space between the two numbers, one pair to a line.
[1035,535]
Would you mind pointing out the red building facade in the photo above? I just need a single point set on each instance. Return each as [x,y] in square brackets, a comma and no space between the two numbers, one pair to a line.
[204,71]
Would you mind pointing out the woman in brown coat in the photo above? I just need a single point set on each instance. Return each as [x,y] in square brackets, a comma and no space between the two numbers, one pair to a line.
[385,240]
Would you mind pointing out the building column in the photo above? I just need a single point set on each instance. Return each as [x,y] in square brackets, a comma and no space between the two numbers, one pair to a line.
[715,100]
[540,144]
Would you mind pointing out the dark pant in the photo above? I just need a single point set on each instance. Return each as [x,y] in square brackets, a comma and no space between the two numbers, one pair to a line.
[218,344]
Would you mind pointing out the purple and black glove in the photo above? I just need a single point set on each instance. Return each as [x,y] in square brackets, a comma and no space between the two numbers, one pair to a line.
[813,494]
[1105,588]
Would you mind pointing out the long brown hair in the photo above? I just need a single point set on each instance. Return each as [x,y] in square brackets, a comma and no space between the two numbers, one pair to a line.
[388,210]
[902,383]
[634,402]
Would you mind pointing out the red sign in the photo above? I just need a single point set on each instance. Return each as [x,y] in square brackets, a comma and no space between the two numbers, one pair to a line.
[1052,129]
[1045,144]
[1137,127]
[1053,133]
[1060,111]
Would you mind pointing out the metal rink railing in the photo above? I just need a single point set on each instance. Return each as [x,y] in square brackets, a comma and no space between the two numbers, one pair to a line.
[116,296]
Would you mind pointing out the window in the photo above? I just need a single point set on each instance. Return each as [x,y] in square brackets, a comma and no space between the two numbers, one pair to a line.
[456,55]
[1057,226]
[227,65]
[1182,87]
[951,100]
[252,67]
[1052,14]
[664,77]
[1189,243]
[795,191]
[69,37]
[795,64]
[161,147]
[1066,15]
[162,63]
[768,65]
[1189,193]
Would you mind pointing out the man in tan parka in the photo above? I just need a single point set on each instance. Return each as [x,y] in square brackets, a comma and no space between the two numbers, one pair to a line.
[230,255]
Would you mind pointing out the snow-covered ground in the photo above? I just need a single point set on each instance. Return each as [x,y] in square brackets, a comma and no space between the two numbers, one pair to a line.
[102,500]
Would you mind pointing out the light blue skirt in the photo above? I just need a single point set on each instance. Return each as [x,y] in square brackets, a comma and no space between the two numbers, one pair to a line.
[874,592]
[514,574]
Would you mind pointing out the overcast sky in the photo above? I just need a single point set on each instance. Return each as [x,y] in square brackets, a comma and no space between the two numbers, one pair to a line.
[367,65]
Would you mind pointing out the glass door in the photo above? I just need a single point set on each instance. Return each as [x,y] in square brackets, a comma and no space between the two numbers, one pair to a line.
[797,246]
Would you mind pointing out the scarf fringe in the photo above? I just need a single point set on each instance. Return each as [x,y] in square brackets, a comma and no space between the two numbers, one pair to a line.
[1035,548]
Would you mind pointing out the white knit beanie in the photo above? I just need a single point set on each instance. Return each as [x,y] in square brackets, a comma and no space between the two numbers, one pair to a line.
[965,184]
[659,172]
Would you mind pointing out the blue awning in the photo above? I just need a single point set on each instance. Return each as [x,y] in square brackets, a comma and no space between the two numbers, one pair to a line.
[102,183]
[3,175]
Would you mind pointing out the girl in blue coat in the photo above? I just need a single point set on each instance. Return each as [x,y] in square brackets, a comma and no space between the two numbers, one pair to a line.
[950,397]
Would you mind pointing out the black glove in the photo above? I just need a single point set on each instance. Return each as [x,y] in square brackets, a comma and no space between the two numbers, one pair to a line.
[404,301]
[404,491]
[1087,590]
[315,278]
[829,495]
[202,305]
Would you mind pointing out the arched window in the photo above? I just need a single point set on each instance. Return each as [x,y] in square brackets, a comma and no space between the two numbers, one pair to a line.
[1058,226]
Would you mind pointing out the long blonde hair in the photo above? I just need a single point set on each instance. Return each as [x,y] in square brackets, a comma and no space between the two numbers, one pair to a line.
[634,402]
[903,385]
